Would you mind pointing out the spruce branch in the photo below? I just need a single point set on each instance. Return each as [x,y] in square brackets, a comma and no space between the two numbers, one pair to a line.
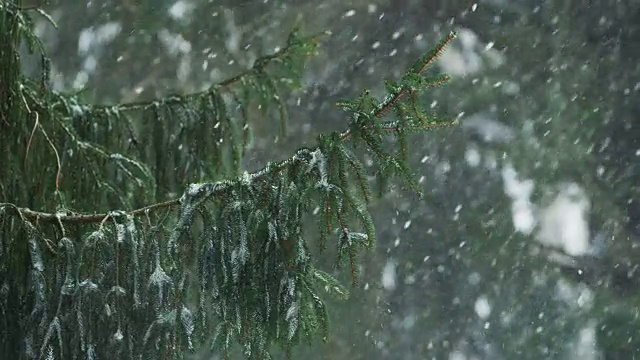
[409,86]
[379,110]
[204,112]
[237,245]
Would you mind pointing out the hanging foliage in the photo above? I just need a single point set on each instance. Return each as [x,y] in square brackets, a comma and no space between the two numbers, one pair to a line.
[226,265]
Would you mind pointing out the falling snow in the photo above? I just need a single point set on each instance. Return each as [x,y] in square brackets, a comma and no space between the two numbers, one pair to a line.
[539,168]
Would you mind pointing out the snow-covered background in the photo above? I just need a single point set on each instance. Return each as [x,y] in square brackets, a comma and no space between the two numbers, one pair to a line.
[526,243]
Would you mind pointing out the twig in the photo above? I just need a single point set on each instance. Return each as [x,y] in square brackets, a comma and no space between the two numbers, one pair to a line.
[33,131]
[57,157]
[389,103]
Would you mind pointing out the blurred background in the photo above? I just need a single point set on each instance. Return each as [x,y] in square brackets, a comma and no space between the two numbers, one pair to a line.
[526,245]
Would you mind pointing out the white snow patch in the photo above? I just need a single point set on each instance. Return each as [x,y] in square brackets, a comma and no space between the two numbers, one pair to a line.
[462,57]
[350,13]
[90,64]
[467,55]
[389,275]
[585,346]
[409,321]
[233,31]
[174,43]
[91,38]
[564,223]
[474,278]
[184,69]
[511,88]
[522,210]
[482,307]
[80,80]
[472,156]
[489,128]
[195,189]
[457,355]
[576,296]
[180,9]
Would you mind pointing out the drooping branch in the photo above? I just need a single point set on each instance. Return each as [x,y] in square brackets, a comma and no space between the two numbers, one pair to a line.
[231,258]
[365,106]
[117,150]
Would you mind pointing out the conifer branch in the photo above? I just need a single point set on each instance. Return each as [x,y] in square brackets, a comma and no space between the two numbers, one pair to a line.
[418,68]
[238,245]
[221,186]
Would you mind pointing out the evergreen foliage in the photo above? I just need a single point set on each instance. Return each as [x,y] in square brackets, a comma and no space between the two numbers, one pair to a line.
[226,263]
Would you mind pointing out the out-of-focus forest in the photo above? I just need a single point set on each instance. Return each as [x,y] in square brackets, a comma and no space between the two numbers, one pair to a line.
[526,244]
